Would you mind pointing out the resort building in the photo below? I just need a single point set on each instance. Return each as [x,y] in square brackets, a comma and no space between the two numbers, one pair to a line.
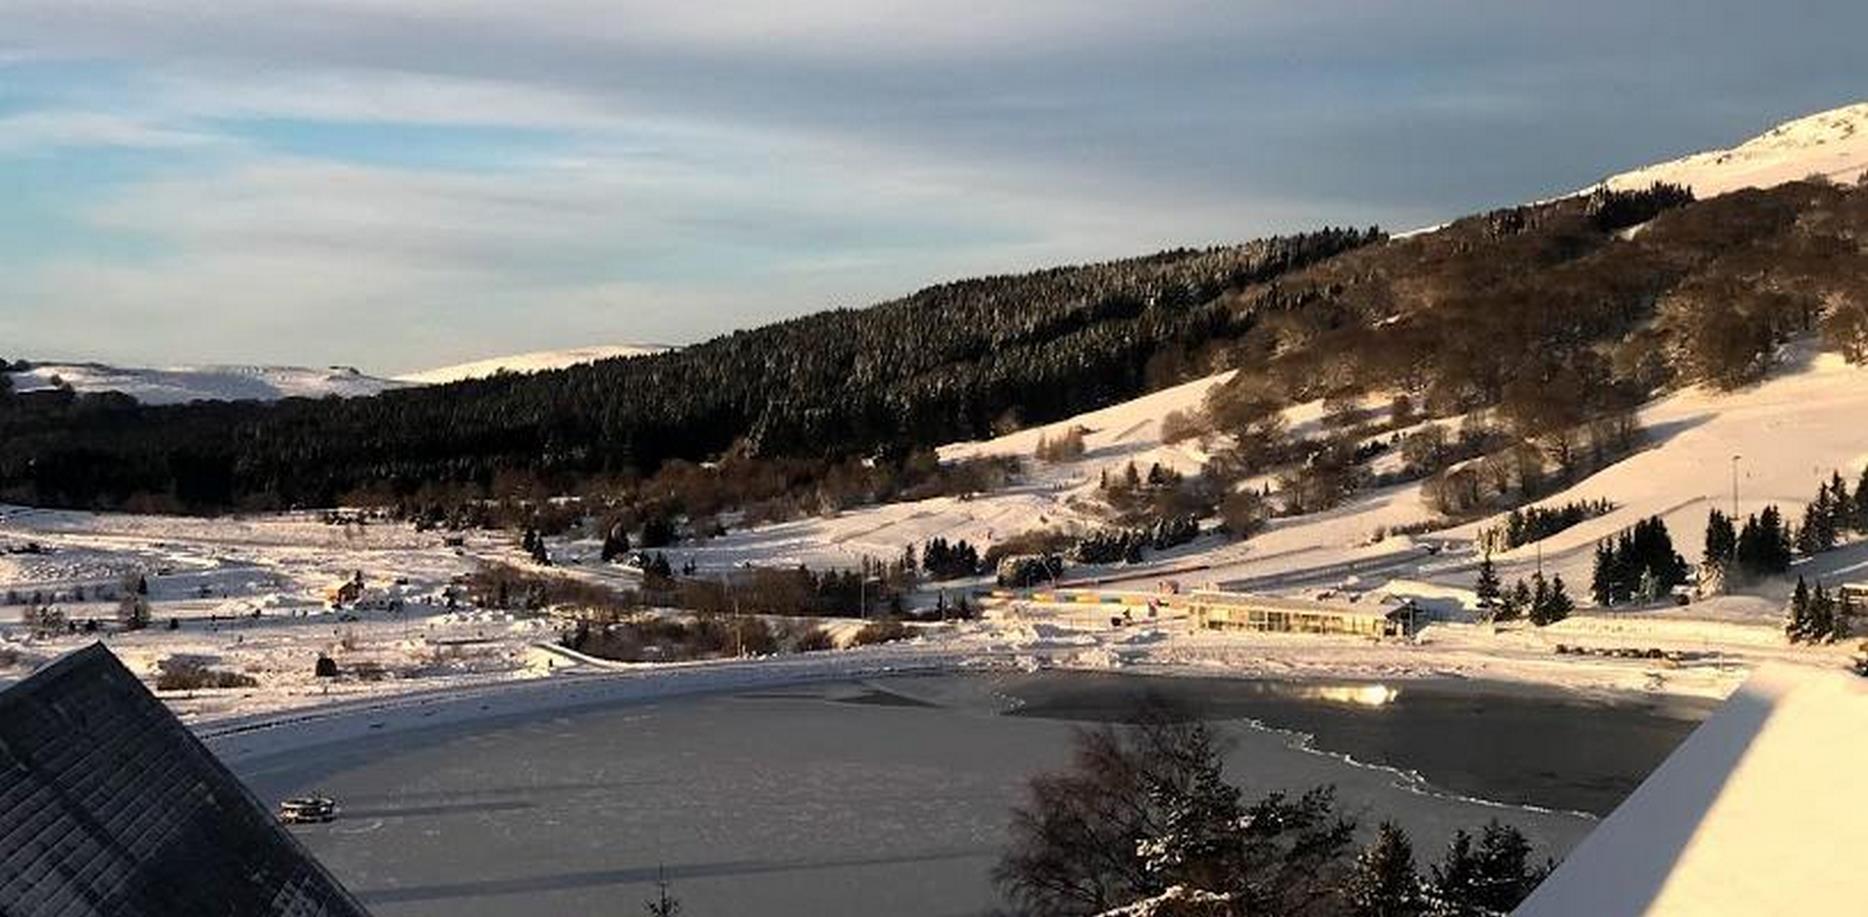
[1213,610]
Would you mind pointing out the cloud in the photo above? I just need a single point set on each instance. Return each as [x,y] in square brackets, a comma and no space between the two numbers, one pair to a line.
[381,181]
[41,131]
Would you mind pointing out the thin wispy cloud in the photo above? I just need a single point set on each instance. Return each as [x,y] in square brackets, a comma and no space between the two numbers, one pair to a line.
[395,183]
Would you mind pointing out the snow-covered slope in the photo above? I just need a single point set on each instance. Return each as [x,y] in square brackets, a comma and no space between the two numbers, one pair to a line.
[1832,143]
[1051,495]
[537,361]
[1781,438]
[182,384]
[1789,432]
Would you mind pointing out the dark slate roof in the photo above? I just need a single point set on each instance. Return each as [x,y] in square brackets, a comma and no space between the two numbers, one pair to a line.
[110,807]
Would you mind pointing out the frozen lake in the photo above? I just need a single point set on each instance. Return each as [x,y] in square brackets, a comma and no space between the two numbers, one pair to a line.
[891,795]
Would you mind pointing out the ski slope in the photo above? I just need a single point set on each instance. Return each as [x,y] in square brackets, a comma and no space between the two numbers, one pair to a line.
[1789,433]
[1048,495]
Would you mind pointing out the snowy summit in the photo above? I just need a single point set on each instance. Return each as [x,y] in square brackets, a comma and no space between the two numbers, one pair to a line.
[1833,144]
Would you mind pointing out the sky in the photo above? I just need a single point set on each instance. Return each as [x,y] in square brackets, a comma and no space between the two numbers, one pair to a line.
[399,184]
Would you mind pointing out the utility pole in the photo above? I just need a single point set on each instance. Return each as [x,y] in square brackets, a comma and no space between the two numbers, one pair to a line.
[1735,459]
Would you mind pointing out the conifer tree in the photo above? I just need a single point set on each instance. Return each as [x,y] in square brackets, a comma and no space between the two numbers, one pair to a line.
[1796,624]
[1809,538]
[1454,883]
[1492,876]
[1515,604]
[1842,505]
[1557,604]
[1861,504]
[1602,580]
[1764,545]
[1776,539]
[1721,540]
[1487,587]
[1822,615]
[1383,881]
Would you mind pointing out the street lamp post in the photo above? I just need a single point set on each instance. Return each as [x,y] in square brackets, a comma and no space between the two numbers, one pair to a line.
[1735,459]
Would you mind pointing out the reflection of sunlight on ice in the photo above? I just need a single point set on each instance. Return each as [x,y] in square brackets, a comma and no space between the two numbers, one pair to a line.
[1361,695]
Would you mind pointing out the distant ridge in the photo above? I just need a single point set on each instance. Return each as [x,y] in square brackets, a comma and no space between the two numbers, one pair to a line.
[536,361]
[183,384]
[238,382]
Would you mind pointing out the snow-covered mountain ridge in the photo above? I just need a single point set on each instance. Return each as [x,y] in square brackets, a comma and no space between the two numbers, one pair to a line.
[533,362]
[182,384]
[1833,144]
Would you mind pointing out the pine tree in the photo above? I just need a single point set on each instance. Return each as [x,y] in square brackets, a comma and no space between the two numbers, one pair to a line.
[1602,580]
[1558,604]
[1796,624]
[1516,604]
[1764,545]
[1455,885]
[1861,504]
[1776,539]
[1506,875]
[1721,540]
[1841,505]
[1487,586]
[1822,615]
[1383,882]
[1490,877]
[1540,597]
[663,904]
[1825,520]
[1809,540]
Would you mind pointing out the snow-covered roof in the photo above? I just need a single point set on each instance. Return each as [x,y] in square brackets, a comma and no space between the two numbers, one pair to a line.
[1753,814]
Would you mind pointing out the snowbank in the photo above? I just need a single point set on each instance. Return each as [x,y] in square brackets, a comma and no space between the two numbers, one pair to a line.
[1744,818]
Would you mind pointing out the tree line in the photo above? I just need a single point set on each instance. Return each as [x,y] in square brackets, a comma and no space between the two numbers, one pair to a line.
[955,361]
